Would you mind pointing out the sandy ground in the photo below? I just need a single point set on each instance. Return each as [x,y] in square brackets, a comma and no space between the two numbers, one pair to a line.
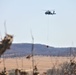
[42,62]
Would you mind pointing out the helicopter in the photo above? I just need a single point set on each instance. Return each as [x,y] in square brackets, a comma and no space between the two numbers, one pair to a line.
[48,12]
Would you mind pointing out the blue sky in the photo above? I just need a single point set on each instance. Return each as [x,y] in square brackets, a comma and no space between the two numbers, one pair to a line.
[23,16]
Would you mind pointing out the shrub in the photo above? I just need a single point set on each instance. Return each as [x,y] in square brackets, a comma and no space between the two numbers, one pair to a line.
[64,69]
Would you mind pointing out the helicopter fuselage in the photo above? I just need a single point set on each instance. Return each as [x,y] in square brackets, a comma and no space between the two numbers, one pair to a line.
[50,13]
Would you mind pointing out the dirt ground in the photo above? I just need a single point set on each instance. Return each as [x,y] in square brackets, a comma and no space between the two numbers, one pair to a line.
[43,63]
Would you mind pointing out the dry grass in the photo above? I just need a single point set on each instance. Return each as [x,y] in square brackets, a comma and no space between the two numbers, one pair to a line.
[43,63]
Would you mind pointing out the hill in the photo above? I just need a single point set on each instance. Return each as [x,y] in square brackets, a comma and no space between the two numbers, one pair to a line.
[23,49]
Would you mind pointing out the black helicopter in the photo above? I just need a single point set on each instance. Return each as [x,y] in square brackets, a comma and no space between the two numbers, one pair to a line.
[48,12]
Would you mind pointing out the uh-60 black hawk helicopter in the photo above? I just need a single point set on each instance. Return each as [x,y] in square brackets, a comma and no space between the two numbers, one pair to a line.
[48,12]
